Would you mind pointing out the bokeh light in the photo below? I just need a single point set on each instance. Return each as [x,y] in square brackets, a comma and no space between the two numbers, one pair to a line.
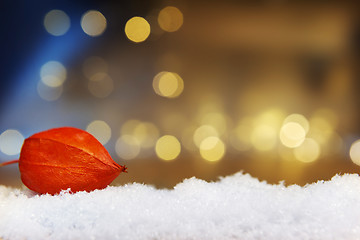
[187,138]
[355,152]
[127,147]
[263,137]
[93,23]
[93,65]
[49,93]
[292,134]
[128,128]
[146,133]
[217,120]
[298,118]
[168,147]
[53,73]
[272,117]
[101,85]
[170,19]
[241,135]
[308,151]
[56,22]
[168,84]
[203,132]
[100,130]
[212,149]
[11,141]
[213,75]
[137,29]
[321,129]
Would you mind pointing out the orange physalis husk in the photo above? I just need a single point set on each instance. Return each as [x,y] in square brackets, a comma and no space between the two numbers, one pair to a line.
[63,158]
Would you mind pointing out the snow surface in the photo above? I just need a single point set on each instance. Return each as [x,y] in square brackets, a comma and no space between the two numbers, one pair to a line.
[235,207]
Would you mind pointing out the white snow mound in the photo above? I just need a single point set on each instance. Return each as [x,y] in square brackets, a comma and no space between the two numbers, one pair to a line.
[235,207]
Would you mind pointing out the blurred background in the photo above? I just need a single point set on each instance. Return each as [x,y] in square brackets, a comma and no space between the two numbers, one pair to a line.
[175,89]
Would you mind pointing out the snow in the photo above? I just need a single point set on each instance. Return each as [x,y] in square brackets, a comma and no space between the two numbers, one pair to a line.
[235,207]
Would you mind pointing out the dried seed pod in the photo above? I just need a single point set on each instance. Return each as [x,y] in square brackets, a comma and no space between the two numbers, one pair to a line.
[67,157]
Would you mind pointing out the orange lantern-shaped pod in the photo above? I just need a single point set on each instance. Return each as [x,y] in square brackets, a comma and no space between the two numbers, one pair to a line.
[63,158]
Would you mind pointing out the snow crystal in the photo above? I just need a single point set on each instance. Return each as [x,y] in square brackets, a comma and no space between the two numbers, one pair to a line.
[235,207]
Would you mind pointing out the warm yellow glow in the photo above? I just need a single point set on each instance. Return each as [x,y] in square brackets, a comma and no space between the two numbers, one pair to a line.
[355,152]
[212,149]
[203,132]
[127,147]
[298,118]
[56,22]
[187,138]
[52,81]
[241,135]
[321,125]
[168,84]
[263,137]
[146,133]
[137,29]
[167,147]
[170,19]
[11,141]
[49,93]
[292,134]
[101,85]
[321,129]
[53,74]
[272,117]
[94,65]
[100,130]
[156,81]
[217,120]
[93,23]
[128,128]
[308,151]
